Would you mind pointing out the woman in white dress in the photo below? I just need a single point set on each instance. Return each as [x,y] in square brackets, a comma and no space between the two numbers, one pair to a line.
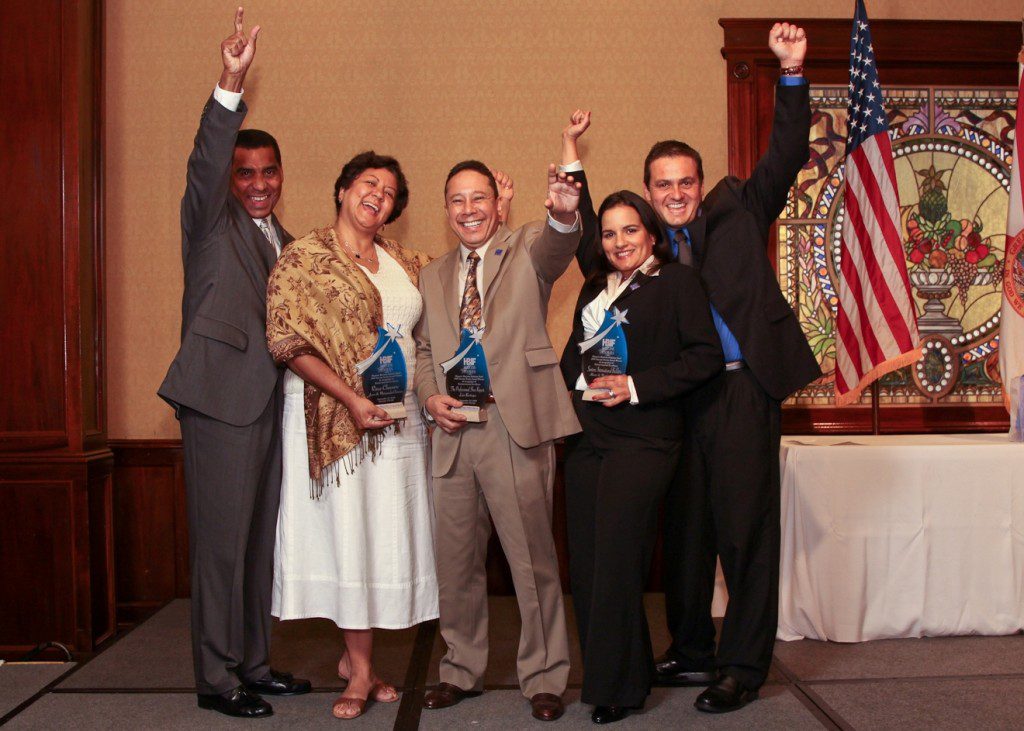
[355,531]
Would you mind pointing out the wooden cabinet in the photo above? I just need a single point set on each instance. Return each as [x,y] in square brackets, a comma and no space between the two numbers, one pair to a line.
[55,468]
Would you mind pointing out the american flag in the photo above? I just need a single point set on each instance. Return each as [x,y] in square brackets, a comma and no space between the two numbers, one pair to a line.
[876,323]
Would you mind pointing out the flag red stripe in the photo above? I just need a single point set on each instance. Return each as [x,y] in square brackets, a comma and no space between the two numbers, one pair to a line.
[852,277]
[895,240]
[883,296]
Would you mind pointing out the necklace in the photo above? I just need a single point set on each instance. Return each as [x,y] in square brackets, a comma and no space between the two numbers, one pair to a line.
[371,259]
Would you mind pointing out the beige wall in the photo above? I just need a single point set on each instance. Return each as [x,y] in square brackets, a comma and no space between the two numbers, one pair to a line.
[428,82]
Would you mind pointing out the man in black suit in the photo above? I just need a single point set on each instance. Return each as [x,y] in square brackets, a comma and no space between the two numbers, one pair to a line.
[725,502]
[226,392]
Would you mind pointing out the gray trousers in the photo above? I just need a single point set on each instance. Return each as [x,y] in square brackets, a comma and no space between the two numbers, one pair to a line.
[233,486]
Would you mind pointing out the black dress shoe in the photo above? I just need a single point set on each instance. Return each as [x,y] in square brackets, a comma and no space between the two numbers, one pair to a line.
[279,684]
[676,673]
[609,714]
[237,702]
[728,694]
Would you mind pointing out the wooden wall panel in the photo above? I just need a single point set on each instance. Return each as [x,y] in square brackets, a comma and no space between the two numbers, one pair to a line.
[56,540]
[150,526]
[151,530]
[37,543]
[55,487]
[32,402]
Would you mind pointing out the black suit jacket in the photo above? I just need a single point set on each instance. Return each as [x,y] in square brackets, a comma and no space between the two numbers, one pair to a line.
[729,238]
[672,346]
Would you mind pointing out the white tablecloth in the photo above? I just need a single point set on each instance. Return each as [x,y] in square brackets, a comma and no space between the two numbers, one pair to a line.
[901,536]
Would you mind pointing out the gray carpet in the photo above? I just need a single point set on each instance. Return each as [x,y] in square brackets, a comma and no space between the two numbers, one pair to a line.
[133,711]
[144,680]
[504,626]
[158,654]
[976,703]
[21,681]
[778,708]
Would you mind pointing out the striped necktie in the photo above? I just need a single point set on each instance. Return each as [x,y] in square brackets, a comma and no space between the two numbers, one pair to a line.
[470,314]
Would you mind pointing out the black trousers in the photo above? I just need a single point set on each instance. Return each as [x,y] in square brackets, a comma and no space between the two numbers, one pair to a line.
[614,485]
[724,503]
[233,489]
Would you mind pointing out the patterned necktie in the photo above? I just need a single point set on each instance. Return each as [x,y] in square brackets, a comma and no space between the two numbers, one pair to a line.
[683,247]
[470,314]
[264,225]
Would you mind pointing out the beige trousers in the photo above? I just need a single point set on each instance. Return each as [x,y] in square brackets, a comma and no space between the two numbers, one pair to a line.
[493,476]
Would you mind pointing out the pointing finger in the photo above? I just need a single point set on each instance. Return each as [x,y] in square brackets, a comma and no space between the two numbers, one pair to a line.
[238,19]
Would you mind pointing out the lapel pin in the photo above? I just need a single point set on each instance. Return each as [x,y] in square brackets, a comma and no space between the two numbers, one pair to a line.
[497,252]
[634,285]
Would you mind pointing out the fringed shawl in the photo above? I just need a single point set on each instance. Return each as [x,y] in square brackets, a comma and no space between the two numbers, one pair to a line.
[321,303]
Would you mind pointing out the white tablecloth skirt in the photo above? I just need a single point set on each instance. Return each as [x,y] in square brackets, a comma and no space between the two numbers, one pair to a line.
[901,536]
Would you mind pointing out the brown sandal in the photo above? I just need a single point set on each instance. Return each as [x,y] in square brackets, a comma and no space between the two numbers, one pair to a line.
[343,704]
[379,687]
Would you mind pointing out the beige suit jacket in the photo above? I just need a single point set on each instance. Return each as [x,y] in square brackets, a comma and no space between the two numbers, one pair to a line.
[519,271]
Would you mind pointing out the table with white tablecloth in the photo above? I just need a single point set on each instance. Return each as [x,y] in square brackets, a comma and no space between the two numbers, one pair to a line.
[901,536]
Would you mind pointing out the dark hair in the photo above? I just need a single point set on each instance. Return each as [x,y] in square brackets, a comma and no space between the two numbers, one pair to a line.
[649,220]
[672,148]
[253,139]
[366,161]
[476,166]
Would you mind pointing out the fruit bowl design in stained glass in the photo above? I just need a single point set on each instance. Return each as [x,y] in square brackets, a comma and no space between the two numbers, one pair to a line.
[952,153]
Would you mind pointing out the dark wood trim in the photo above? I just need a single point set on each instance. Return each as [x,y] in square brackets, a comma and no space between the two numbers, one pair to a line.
[911,52]
[149,487]
[55,468]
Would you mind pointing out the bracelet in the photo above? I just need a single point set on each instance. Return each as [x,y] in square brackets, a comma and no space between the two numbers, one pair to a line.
[792,70]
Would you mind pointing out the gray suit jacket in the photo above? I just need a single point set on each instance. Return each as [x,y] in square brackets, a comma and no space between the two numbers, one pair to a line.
[223,368]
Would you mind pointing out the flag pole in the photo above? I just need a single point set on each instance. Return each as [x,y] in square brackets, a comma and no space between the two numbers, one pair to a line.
[874,408]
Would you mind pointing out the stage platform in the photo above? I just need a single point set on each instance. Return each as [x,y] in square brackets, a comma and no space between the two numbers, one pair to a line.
[142,680]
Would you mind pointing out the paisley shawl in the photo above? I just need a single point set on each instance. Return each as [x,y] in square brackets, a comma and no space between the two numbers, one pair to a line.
[321,303]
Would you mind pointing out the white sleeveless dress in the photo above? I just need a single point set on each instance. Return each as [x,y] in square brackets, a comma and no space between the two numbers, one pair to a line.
[363,554]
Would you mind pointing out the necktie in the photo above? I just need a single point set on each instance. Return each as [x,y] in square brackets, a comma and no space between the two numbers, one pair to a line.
[470,314]
[264,224]
[682,243]
[265,228]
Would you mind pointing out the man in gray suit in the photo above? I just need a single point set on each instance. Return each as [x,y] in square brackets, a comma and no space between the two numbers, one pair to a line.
[226,392]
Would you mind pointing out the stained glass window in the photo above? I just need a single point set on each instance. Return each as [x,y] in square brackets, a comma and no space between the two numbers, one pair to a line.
[952,150]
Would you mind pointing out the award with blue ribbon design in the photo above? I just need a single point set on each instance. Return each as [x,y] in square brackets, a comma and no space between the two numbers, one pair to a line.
[466,377]
[384,374]
[605,354]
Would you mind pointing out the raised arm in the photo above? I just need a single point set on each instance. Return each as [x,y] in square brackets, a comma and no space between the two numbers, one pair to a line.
[764,192]
[209,166]
[552,251]
[588,249]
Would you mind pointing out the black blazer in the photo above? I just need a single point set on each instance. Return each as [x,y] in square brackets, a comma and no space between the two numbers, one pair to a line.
[729,241]
[672,345]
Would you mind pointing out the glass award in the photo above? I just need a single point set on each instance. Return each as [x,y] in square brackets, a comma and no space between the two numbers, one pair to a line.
[466,377]
[605,354]
[384,374]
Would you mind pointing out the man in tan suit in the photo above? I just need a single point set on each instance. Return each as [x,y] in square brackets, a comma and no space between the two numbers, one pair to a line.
[500,281]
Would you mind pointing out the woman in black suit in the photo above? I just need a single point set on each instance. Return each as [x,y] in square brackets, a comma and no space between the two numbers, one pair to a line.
[618,469]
